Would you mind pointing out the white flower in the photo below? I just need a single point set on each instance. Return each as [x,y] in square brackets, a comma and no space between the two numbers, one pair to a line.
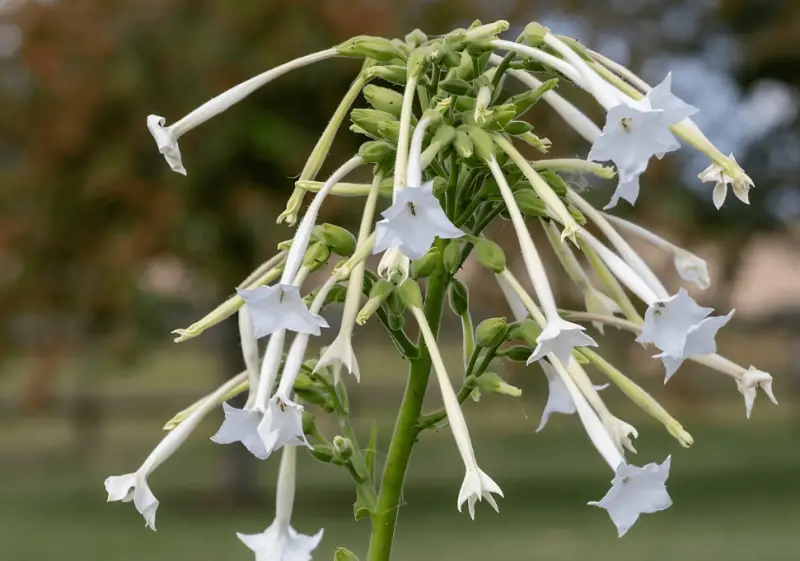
[134,487]
[241,425]
[280,542]
[680,328]
[559,337]
[282,423]
[340,354]
[280,307]
[394,266]
[558,397]
[167,142]
[674,108]
[635,491]
[477,485]
[413,222]
[749,382]
[627,189]
[717,174]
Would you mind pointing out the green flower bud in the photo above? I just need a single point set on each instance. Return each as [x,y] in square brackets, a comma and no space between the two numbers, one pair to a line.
[322,452]
[424,266]
[491,332]
[458,297]
[517,353]
[370,119]
[466,104]
[342,553]
[362,131]
[396,321]
[366,46]
[337,294]
[384,99]
[416,38]
[463,144]
[418,62]
[515,128]
[483,143]
[529,203]
[409,294]
[576,214]
[451,58]
[524,101]
[492,383]
[315,397]
[555,181]
[439,186]
[309,425]
[393,74]
[533,34]
[456,86]
[376,151]
[316,256]
[465,69]
[342,447]
[444,136]
[378,294]
[285,245]
[342,242]
[541,144]
[452,256]
[390,130]
[490,255]
[528,331]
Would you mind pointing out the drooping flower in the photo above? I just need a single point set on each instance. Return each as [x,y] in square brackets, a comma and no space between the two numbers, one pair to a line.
[280,542]
[680,328]
[413,222]
[636,491]
[717,174]
[277,307]
[477,484]
[340,354]
[133,487]
[558,397]
[749,382]
[167,142]
[559,337]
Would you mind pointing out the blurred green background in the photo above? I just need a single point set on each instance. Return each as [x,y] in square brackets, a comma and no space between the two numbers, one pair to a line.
[103,251]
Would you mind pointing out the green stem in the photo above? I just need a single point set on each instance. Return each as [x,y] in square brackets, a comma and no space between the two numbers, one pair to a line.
[384,519]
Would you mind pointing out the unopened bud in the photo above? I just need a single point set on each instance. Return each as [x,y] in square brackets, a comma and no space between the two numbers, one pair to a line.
[456,86]
[444,136]
[528,330]
[529,203]
[316,256]
[309,425]
[376,151]
[322,452]
[465,103]
[393,74]
[409,294]
[463,144]
[371,119]
[384,99]
[416,38]
[418,61]
[482,141]
[425,265]
[555,181]
[452,256]
[458,297]
[366,46]
[516,128]
[390,130]
[492,383]
[517,353]
[491,332]
[342,553]
[378,294]
[524,101]
[490,255]
[342,447]
[341,242]
[533,34]
[439,186]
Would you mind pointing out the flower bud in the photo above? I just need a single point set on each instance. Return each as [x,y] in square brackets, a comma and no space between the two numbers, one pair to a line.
[341,242]
[376,151]
[425,265]
[336,295]
[393,74]
[516,128]
[342,553]
[366,46]
[370,119]
[316,256]
[444,136]
[418,61]
[458,297]
[555,181]
[309,425]
[414,40]
[533,34]
[528,330]
[322,452]
[396,321]
[439,186]
[517,353]
[490,255]
[342,447]
[463,144]
[483,143]
[465,103]
[529,203]
[378,294]
[491,332]
[456,86]
[390,130]
[409,294]
[452,256]
[492,383]
[384,99]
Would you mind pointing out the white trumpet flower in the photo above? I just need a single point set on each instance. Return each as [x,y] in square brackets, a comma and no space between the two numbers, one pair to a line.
[719,176]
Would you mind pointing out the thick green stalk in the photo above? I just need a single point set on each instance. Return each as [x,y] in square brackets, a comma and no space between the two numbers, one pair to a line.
[384,519]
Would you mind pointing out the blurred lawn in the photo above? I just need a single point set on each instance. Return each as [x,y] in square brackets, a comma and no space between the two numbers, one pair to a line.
[735,491]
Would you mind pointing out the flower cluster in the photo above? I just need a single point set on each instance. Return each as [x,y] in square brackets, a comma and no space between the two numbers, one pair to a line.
[443,145]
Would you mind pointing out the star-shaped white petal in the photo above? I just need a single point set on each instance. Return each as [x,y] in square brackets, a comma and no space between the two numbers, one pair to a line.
[281,542]
[674,108]
[166,142]
[477,486]
[133,487]
[241,425]
[560,337]
[749,384]
[700,340]
[280,307]
[627,189]
[636,491]
[413,222]
[667,322]
[282,424]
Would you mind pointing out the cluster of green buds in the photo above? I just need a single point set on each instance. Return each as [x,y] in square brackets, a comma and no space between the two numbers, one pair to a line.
[451,153]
